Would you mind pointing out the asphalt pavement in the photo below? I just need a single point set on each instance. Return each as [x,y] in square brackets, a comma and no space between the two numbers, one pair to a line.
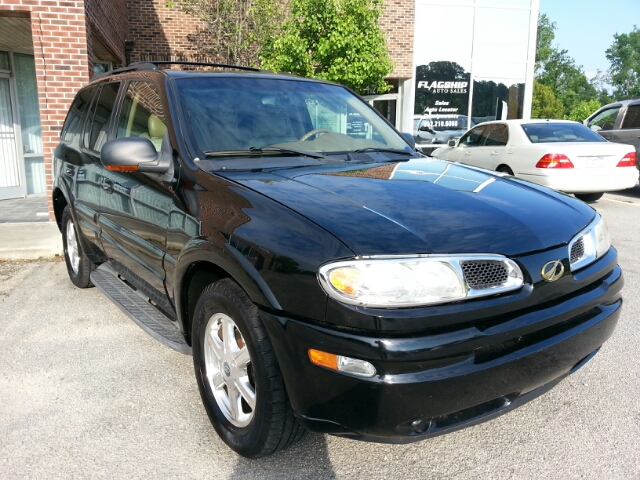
[85,393]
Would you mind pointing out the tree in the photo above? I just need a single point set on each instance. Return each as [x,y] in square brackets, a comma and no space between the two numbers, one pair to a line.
[235,30]
[545,104]
[558,71]
[544,41]
[337,40]
[624,58]
[583,109]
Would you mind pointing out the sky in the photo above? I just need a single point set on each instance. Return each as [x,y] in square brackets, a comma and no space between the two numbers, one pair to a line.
[586,27]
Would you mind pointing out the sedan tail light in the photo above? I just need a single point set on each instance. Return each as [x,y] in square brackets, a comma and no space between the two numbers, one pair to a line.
[554,160]
[629,160]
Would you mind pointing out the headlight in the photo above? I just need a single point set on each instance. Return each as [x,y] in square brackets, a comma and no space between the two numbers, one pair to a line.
[591,243]
[421,280]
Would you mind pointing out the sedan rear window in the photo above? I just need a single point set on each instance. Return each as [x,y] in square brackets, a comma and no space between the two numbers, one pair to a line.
[560,132]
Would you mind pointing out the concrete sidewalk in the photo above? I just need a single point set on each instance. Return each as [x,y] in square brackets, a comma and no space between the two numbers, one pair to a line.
[30,241]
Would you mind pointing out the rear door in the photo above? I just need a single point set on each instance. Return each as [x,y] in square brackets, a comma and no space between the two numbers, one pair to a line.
[134,207]
[629,128]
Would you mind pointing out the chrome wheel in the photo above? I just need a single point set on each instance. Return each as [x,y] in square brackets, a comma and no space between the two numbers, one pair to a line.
[228,370]
[72,247]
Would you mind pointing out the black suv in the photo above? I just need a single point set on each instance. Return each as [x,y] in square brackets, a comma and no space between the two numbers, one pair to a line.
[324,275]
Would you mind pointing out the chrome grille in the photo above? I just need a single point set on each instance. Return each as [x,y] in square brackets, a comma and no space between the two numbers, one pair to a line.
[482,274]
[577,250]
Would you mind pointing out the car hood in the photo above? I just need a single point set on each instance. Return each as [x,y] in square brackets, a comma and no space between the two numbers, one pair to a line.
[423,206]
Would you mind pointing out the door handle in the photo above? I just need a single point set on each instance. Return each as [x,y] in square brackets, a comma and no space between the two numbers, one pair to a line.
[467,153]
[494,154]
[70,171]
[107,186]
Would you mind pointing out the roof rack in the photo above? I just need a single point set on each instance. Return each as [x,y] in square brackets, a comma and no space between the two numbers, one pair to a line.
[153,65]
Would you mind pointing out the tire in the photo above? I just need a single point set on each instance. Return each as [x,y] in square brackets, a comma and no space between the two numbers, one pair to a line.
[589,197]
[78,265]
[504,169]
[249,408]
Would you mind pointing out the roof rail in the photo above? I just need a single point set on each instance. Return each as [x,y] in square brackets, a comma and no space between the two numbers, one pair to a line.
[153,64]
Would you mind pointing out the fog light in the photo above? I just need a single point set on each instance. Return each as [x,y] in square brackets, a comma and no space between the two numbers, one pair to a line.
[341,363]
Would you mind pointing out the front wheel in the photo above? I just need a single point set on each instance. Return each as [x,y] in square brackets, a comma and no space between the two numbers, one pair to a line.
[78,265]
[589,197]
[238,374]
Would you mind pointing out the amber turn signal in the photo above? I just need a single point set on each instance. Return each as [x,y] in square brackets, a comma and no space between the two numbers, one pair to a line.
[323,359]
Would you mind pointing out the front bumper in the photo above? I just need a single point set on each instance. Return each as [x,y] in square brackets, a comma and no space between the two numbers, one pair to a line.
[432,384]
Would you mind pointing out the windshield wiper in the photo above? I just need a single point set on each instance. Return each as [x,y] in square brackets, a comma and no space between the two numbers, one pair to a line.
[383,150]
[261,151]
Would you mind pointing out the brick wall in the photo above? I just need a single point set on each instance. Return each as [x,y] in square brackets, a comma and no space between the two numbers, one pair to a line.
[107,21]
[159,31]
[397,22]
[60,50]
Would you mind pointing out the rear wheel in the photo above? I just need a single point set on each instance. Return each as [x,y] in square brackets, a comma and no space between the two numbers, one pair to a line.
[238,374]
[504,169]
[78,265]
[589,197]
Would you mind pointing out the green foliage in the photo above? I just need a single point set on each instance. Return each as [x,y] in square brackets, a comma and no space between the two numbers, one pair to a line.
[556,70]
[337,40]
[583,109]
[234,29]
[624,58]
[544,40]
[545,104]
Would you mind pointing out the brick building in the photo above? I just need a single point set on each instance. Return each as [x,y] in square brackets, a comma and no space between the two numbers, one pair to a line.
[50,48]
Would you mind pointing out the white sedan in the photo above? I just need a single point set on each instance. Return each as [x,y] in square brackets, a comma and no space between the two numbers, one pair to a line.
[560,154]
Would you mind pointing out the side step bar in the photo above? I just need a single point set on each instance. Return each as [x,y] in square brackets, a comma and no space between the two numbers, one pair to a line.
[149,318]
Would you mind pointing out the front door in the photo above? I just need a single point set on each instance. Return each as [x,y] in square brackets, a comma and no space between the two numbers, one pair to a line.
[11,174]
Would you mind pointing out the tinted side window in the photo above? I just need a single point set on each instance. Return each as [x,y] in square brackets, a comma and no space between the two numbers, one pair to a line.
[632,117]
[606,120]
[142,114]
[473,137]
[72,127]
[497,136]
[95,134]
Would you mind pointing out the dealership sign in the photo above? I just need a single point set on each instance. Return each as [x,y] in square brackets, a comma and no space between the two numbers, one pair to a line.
[444,87]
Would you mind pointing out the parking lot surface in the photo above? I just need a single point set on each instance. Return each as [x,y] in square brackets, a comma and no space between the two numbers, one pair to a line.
[85,393]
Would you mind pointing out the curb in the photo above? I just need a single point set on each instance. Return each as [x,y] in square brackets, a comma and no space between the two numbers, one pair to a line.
[30,241]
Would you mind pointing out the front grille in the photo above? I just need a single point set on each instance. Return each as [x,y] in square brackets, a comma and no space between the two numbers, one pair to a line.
[577,250]
[482,274]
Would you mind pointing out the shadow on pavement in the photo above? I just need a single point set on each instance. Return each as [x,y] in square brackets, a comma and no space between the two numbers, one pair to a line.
[630,192]
[309,459]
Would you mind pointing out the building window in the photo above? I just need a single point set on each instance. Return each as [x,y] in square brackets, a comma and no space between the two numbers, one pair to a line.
[100,66]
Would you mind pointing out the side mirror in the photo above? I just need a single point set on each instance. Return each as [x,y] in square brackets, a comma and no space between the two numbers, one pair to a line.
[427,128]
[408,137]
[595,128]
[134,154]
[451,143]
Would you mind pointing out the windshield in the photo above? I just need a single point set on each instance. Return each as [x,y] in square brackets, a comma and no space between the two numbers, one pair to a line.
[236,114]
[560,132]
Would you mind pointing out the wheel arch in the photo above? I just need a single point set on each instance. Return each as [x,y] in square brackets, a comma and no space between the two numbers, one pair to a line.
[199,267]
[59,203]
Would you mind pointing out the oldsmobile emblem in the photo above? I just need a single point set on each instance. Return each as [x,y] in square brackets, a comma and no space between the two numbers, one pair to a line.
[552,271]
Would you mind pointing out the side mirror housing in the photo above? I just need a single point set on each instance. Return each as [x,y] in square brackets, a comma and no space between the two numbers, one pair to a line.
[408,137]
[427,128]
[451,143]
[134,154]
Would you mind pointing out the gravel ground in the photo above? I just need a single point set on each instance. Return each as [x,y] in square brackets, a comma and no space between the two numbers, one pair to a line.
[85,393]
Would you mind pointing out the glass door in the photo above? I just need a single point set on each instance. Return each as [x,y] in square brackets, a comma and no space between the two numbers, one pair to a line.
[11,185]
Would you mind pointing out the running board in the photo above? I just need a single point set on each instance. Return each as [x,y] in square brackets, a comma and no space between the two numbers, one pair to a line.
[149,318]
